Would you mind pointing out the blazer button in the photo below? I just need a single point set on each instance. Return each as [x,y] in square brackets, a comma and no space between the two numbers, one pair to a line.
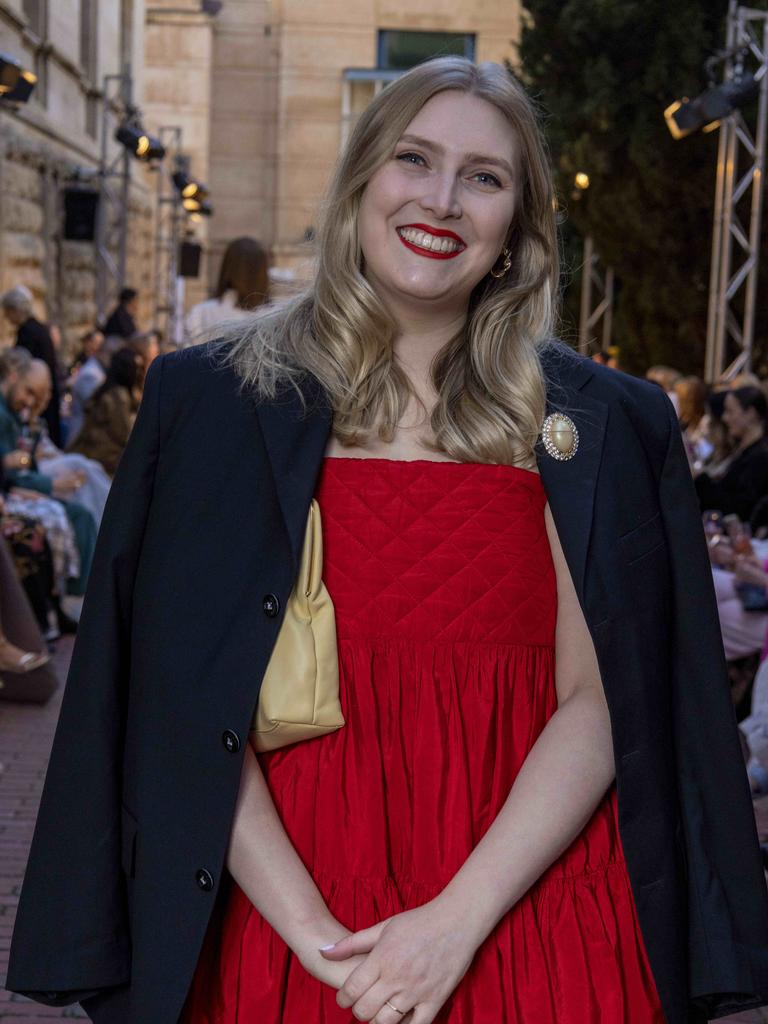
[204,879]
[231,740]
[271,605]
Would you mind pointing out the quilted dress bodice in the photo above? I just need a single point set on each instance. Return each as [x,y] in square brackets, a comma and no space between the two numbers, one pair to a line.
[437,552]
[445,596]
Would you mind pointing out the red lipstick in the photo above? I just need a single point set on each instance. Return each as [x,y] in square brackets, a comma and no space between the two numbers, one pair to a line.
[438,233]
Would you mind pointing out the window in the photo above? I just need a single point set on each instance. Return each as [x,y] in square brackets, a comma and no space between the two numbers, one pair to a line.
[88,37]
[89,62]
[126,32]
[35,12]
[402,50]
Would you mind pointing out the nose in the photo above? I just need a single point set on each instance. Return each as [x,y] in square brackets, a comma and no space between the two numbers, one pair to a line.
[442,196]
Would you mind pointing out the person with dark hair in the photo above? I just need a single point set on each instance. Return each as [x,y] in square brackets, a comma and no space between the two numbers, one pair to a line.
[745,480]
[36,338]
[90,343]
[109,415]
[122,319]
[243,286]
[691,409]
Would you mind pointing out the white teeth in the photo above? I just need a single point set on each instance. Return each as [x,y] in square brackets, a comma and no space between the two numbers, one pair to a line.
[427,241]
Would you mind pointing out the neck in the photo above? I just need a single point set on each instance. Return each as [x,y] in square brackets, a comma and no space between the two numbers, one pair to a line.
[750,435]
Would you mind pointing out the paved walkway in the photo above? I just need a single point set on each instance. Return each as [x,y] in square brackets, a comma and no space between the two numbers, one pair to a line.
[26,734]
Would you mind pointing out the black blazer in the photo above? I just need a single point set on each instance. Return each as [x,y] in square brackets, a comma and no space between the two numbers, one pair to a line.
[740,488]
[203,530]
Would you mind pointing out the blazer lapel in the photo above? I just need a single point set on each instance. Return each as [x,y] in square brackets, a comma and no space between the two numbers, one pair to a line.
[295,443]
[570,484]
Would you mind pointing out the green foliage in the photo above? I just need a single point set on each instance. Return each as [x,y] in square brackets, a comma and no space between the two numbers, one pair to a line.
[604,71]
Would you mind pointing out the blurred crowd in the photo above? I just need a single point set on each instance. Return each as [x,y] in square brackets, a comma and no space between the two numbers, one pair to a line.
[725,431]
[63,427]
[64,423]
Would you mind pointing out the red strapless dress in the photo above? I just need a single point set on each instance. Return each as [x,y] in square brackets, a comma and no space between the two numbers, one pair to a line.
[444,589]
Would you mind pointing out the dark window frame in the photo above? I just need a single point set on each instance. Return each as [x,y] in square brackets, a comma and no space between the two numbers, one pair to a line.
[468,38]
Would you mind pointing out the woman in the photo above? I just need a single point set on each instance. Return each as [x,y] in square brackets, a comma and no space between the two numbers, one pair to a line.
[110,414]
[745,480]
[692,409]
[460,840]
[243,286]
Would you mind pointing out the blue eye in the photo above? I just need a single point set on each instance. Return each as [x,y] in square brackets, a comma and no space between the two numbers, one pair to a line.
[409,157]
[491,178]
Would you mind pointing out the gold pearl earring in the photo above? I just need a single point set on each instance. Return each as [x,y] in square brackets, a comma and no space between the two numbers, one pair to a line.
[507,254]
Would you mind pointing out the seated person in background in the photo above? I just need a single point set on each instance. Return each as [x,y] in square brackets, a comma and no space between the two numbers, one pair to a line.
[110,413]
[147,347]
[744,632]
[755,730]
[745,480]
[666,377]
[27,401]
[13,658]
[691,409]
[35,337]
[122,320]
[90,343]
[18,392]
[86,377]
[33,562]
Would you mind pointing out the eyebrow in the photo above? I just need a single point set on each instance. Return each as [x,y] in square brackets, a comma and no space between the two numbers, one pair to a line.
[469,157]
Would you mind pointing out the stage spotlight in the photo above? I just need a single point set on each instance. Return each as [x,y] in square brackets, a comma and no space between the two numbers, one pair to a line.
[203,209]
[16,83]
[706,111]
[581,181]
[138,143]
[189,188]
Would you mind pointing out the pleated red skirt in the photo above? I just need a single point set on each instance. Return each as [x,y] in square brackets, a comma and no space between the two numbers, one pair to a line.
[445,596]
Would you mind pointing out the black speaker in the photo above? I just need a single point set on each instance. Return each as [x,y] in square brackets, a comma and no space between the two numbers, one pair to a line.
[80,206]
[189,259]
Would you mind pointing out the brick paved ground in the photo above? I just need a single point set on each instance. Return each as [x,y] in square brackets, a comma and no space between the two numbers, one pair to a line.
[26,734]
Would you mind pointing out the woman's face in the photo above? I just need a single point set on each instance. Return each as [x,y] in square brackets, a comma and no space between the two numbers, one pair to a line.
[737,419]
[434,218]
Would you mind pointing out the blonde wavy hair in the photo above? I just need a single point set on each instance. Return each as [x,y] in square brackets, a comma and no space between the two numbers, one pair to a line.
[488,377]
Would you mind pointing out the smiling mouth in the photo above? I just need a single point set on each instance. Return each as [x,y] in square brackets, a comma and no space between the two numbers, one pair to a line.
[443,246]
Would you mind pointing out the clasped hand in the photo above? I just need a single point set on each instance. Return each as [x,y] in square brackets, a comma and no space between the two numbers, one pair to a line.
[414,959]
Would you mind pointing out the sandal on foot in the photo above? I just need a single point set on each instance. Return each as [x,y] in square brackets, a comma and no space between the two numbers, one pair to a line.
[13,659]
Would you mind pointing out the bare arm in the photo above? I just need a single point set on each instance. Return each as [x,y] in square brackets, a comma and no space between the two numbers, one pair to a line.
[559,786]
[265,865]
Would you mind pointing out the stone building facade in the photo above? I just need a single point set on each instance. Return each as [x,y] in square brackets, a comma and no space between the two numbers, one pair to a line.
[259,95]
[284,80]
[52,142]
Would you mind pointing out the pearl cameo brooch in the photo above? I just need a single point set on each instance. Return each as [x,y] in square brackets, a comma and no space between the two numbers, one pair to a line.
[560,436]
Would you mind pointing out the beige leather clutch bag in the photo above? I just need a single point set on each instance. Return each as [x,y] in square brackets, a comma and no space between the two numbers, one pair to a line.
[299,696]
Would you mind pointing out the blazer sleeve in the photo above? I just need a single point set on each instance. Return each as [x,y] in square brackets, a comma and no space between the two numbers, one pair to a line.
[71,937]
[727,901]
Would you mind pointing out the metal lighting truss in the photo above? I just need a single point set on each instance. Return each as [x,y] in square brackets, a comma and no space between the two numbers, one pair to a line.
[114,184]
[590,317]
[736,266]
[168,300]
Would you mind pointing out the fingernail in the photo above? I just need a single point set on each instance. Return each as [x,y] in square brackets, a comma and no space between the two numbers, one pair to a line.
[327,947]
